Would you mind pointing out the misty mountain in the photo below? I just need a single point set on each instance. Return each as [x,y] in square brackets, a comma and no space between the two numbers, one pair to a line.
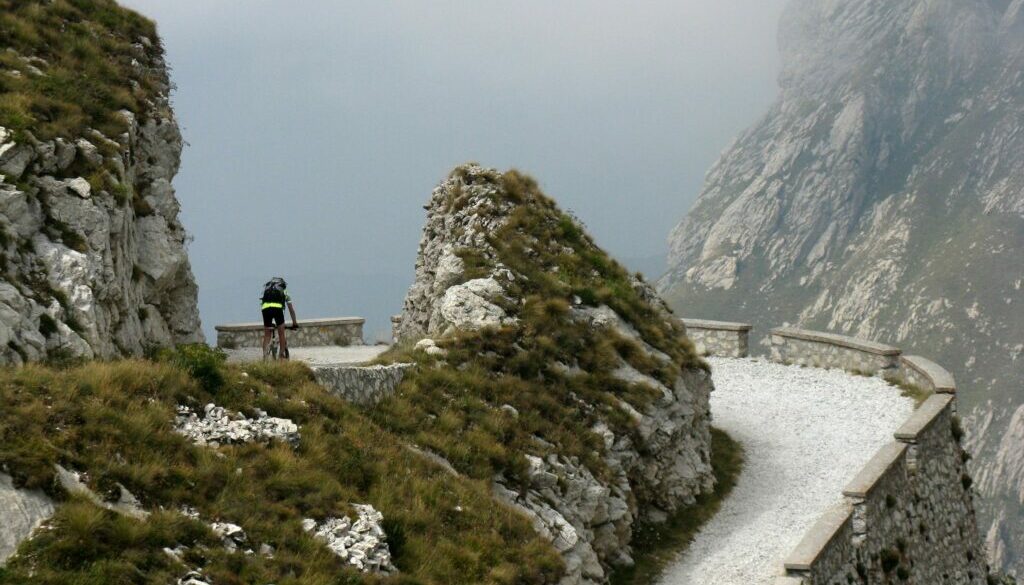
[883,196]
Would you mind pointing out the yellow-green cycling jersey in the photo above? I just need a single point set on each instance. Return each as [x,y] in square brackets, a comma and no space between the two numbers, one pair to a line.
[287,299]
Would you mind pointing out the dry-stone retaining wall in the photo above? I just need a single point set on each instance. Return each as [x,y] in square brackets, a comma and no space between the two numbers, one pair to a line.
[311,333]
[363,385]
[908,516]
[719,338]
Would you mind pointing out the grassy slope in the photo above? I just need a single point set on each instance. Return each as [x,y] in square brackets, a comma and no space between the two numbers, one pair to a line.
[114,421]
[453,407]
[89,73]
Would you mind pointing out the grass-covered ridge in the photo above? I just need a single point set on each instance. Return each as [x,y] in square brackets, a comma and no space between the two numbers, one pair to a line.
[71,64]
[114,421]
[553,368]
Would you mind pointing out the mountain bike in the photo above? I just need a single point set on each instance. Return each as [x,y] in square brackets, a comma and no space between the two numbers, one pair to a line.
[273,349]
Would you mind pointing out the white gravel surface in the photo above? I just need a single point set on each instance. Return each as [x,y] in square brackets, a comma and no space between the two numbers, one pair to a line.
[334,355]
[806,433]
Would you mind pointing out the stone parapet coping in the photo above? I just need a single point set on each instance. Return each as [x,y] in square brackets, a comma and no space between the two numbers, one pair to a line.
[924,416]
[941,380]
[302,323]
[867,478]
[825,530]
[720,325]
[834,339]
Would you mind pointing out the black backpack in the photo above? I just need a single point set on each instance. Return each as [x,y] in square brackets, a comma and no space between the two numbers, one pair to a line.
[273,291]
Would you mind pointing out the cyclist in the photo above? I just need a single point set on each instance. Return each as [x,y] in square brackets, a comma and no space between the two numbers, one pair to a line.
[275,297]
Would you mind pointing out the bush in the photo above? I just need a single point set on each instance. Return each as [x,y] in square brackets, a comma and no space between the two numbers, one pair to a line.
[202,362]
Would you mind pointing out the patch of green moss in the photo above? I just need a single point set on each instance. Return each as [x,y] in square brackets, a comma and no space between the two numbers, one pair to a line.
[915,392]
[122,193]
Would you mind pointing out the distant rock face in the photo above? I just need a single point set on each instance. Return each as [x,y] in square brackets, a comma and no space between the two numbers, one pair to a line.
[92,252]
[883,196]
[661,466]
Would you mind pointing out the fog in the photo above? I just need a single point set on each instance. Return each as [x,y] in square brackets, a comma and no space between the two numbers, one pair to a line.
[316,130]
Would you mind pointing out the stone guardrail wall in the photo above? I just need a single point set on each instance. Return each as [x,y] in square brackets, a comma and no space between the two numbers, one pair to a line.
[907,517]
[362,385]
[719,338]
[311,333]
[828,350]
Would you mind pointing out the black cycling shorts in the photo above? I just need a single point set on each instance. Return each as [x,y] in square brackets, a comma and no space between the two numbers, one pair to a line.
[273,316]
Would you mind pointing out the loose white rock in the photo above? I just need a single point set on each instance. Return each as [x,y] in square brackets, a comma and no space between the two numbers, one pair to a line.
[231,535]
[80,187]
[425,343]
[193,578]
[362,544]
[219,426]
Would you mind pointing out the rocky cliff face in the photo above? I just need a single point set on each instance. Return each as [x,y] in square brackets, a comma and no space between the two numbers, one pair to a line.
[92,253]
[509,287]
[883,196]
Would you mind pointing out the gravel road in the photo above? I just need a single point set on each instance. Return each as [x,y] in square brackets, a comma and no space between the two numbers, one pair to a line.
[806,433]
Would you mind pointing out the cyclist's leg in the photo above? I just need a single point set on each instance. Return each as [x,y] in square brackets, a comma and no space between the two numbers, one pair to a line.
[284,342]
[268,331]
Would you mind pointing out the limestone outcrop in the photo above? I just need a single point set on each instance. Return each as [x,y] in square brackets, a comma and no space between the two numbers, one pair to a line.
[882,196]
[494,253]
[92,251]
[22,512]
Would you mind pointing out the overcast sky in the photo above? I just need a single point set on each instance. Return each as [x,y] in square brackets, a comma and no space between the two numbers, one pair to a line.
[317,129]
